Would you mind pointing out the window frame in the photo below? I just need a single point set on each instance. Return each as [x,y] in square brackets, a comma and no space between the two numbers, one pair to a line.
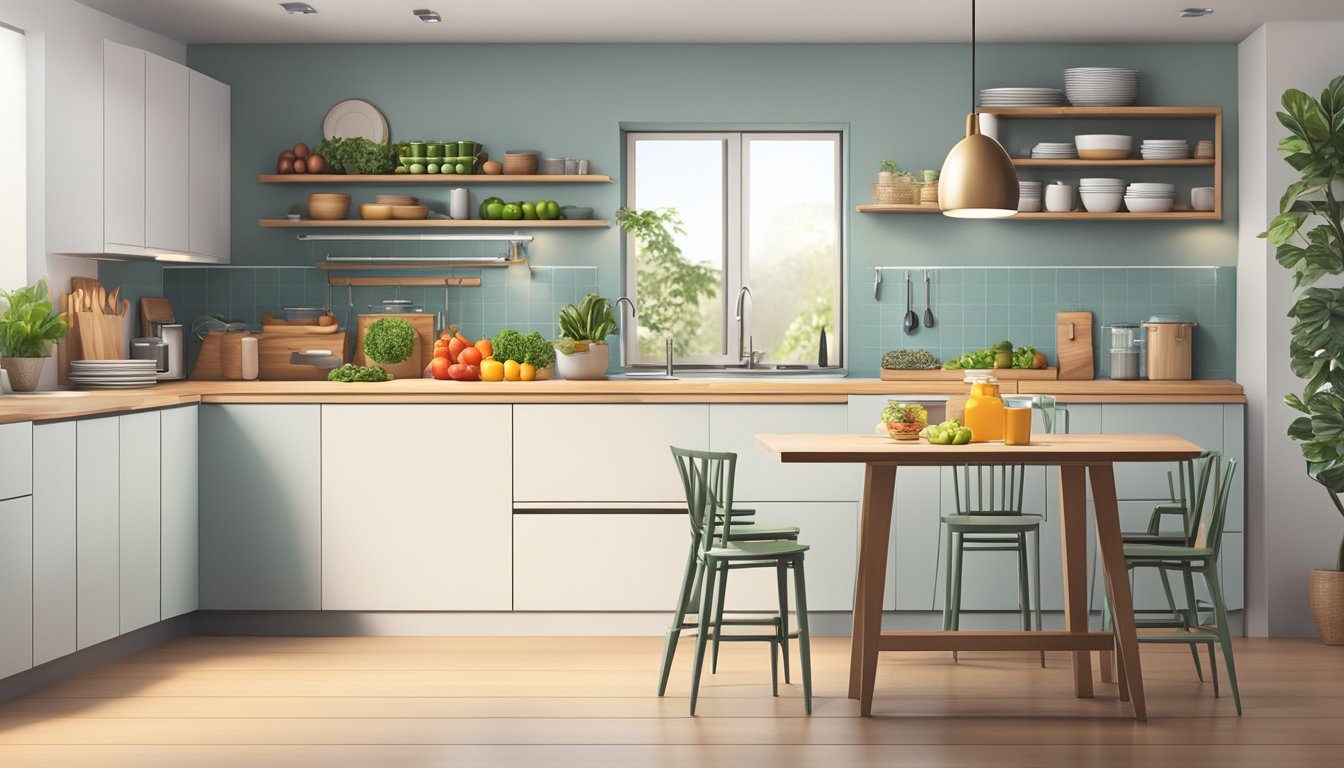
[736,217]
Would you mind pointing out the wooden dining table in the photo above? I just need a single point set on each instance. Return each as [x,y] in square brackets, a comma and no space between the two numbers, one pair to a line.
[1080,458]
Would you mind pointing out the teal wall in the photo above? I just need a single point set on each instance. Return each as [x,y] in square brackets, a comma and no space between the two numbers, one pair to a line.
[903,102]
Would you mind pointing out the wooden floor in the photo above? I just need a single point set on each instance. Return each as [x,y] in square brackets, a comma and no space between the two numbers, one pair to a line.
[373,702]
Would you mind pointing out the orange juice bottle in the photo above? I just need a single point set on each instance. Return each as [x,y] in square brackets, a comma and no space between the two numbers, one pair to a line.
[984,409]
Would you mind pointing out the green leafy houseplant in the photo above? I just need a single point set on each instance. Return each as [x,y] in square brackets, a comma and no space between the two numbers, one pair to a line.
[671,288]
[1315,147]
[389,341]
[28,326]
[358,155]
[593,320]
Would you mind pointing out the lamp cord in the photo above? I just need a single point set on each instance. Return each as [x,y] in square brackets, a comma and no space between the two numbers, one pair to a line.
[972,56]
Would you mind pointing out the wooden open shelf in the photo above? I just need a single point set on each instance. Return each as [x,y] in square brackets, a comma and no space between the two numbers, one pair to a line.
[435,224]
[1132,162]
[425,178]
[897,208]
[1048,216]
[1147,113]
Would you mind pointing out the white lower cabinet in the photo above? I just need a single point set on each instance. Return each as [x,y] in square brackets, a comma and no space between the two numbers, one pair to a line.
[16,585]
[261,506]
[16,467]
[417,527]
[760,476]
[917,532]
[831,530]
[54,526]
[97,503]
[607,453]
[178,557]
[139,520]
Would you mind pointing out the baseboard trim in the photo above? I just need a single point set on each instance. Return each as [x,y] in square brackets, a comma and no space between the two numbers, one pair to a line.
[56,670]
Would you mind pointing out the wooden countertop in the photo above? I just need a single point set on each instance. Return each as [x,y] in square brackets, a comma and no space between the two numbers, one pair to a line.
[49,406]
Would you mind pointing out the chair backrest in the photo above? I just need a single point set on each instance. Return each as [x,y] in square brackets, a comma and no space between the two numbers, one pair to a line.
[1189,487]
[1214,516]
[988,489]
[707,478]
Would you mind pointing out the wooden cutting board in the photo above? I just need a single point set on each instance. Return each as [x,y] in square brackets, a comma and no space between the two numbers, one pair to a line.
[1073,345]
[938,374]
[424,330]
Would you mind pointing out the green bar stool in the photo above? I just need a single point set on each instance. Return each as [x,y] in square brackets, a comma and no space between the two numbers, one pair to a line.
[1200,556]
[707,478]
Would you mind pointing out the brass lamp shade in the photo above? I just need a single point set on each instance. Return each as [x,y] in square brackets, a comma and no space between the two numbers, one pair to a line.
[978,180]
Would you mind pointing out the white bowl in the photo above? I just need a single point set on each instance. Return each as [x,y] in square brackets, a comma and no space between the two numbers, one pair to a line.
[1029,204]
[1103,141]
[1148,204]
[1152,187]
[1101,202]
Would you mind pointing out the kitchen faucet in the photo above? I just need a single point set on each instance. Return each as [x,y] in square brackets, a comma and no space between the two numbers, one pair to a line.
[620,315]
[745,345]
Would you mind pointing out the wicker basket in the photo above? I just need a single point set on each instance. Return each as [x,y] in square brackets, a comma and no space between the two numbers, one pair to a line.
[1326,592]
[896,194]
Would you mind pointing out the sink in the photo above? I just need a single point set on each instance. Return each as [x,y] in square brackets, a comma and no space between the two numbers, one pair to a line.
[763,372]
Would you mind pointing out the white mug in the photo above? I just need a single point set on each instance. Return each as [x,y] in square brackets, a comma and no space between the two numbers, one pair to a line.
[1058,197]
[1201,198]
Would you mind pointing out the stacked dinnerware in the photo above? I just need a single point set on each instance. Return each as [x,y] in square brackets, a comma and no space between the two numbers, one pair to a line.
[1150,197]
[1165,149]
[1101,86]
[1054,150]
[113,374]
[1028,196]
[1101,195]
[1021,97]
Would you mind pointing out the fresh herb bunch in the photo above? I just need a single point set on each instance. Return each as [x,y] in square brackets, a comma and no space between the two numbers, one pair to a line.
[909,359]
[389,341]
[592,320]
[27,323]
[349,373]
[532,348]
[358,155]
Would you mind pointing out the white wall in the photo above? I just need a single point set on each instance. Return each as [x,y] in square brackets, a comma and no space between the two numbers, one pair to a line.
[1292,527]
[14,181]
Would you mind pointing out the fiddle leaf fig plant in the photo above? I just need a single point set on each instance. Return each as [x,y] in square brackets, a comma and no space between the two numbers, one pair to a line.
[1309,240]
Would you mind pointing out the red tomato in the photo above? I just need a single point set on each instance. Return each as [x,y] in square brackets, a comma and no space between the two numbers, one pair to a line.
[473,373]
[439,368]
[470,356]
[487,349]
[457,372]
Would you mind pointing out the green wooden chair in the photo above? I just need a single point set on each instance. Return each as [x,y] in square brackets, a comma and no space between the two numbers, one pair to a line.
[707,478]
[1200,556]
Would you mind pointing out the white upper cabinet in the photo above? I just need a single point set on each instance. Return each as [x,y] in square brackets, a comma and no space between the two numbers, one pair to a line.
[165,145]
[165,158]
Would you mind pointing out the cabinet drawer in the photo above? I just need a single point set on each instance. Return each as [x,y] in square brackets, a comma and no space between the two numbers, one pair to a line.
[1198,423]
[603,452]
[760,477]
[16,468]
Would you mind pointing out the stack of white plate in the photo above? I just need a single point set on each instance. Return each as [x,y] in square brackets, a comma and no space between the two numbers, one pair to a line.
[113,374]
[1165,149]
[1101,86]
[1029,196]
[1052,150]
[1021,97]
[1150,197]
[1101,195]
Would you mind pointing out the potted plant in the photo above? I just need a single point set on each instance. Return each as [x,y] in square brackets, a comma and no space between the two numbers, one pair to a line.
[583,349]
[1315,147]
[887,171]
[28,328]
[392,343]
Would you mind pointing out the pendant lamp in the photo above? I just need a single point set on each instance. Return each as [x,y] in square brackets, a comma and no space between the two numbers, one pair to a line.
[978,180]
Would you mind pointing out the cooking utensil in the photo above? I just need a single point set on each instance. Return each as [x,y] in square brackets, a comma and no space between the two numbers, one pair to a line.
[877,284]
[928,308]
[911,319]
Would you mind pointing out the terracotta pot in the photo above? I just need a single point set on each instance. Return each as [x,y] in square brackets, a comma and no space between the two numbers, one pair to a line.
[24,372]
[1326,591]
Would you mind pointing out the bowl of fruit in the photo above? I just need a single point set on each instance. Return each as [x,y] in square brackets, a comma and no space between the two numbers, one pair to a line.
[904,420]
[950,432]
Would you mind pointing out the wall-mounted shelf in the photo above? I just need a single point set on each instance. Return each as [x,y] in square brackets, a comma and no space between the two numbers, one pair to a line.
[425,178]
[1143,113]
[1023,162]
[406,264]
[1048,216]
[434,224]
[897,208]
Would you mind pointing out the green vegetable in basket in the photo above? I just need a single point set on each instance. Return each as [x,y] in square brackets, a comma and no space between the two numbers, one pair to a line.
[909,359]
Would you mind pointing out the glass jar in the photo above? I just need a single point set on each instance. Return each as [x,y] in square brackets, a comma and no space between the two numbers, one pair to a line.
[984,408]
[904,420]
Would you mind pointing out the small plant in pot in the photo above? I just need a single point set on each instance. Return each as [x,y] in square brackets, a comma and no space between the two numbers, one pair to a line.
[1315,147]
[887,171]
[583,351]
[28,329]
[391,343]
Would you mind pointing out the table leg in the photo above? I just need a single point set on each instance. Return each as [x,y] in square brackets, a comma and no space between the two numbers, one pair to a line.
[1112,551]
[1073,542]
[879,487]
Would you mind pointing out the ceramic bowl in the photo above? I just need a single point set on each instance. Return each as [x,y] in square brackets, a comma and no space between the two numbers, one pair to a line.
[1149,204]
[328,206]
[1102,202]
[396,199]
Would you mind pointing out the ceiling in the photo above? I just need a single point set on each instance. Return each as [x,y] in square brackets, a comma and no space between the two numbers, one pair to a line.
[711,21]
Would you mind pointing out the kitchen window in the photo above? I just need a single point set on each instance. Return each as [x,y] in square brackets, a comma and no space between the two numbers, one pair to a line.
[758,210]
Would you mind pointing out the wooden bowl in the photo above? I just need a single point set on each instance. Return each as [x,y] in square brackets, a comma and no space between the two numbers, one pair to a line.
[375,211]
[520,164]
[328,206]
[410,211]
[396,199]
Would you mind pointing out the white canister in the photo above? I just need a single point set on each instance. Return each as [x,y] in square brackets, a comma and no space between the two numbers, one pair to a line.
[1201,198]
[989,125]
[459,203]
[251,358]
[1058,197]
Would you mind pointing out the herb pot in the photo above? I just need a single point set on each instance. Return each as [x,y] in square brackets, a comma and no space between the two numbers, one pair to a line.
[1326,595]
[24,372]
[886,177]
[584,365]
